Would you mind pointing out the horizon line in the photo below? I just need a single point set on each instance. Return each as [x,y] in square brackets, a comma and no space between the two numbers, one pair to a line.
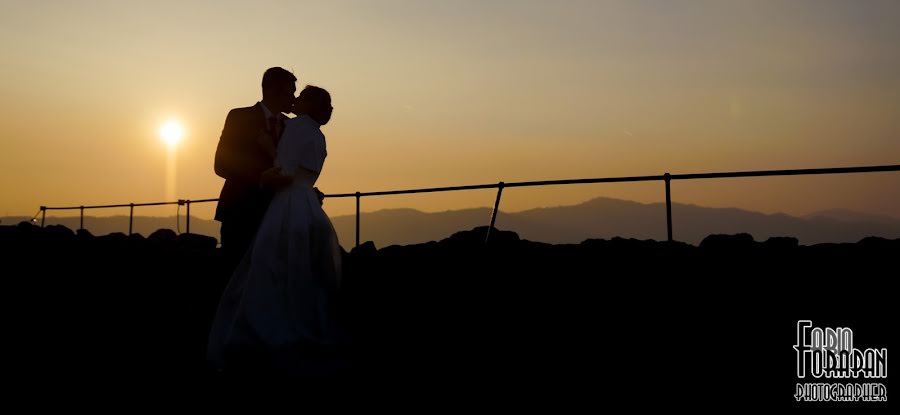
[801,216]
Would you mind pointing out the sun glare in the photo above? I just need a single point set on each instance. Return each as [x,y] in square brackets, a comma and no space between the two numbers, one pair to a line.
[171,133]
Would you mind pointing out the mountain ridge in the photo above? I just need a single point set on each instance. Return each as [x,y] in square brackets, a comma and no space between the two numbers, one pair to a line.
[597,218]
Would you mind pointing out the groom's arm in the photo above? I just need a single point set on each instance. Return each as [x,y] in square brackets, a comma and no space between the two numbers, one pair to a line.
[231,162]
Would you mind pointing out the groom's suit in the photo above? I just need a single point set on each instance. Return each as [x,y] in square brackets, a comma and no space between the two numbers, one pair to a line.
[240,160]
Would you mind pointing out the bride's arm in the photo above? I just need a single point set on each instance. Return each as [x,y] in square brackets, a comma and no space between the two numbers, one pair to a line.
[303,172]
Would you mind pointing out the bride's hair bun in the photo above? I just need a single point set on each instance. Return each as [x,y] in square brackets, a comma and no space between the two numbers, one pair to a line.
[314,95]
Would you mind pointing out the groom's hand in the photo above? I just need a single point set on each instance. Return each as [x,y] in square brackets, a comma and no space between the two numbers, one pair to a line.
[273,179]
[320,195]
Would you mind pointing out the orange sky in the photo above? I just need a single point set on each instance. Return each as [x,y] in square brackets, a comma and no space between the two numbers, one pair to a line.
[452,93]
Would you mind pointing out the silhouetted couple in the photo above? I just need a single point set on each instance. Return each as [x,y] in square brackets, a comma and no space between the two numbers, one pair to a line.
[278,306]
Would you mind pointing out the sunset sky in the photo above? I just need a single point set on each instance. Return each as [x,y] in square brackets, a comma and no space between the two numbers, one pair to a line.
[443,93]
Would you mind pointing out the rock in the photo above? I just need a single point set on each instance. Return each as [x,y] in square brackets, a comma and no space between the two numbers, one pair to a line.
[194,241]
[367,248]
[20,235]
[741,241]
[781,243]
[115,240]
[477,236]
[874,241]
[58,232]
[162,236]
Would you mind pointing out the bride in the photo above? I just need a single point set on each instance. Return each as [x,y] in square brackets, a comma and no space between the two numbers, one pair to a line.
[280,303]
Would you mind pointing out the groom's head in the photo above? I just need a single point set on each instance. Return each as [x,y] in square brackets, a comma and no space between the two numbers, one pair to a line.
[278,89]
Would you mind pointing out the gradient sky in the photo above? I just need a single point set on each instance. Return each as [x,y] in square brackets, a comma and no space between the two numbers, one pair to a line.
[460,92]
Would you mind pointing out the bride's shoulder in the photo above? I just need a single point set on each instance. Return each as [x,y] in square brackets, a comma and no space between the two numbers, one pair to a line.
[298,129]
[293,124]
[299,121]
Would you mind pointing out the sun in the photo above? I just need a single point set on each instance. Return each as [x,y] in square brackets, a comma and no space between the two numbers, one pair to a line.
[171,133]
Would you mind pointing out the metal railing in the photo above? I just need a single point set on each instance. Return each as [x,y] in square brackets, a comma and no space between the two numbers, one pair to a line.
[666,177]
[180,202]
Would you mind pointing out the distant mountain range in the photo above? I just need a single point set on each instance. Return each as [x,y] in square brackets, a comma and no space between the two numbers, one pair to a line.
[596,218]
[607,218]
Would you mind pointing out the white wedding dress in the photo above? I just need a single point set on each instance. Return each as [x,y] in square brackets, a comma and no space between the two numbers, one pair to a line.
[282,294]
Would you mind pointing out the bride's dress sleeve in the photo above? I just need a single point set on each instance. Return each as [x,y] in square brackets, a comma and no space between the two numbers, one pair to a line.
[299,147]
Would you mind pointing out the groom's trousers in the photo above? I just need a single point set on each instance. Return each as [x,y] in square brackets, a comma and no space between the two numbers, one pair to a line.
[237,236]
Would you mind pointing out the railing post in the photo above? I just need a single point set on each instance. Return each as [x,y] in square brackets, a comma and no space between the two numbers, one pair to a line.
[188,221]
[130,219]
[667,178]
[81,224]
[494,212]
[357,219]
[43,215]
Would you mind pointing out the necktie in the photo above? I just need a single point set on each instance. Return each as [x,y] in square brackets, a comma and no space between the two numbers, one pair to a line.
[273,127]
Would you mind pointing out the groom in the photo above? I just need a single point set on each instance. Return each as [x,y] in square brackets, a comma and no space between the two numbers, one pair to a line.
[250,176]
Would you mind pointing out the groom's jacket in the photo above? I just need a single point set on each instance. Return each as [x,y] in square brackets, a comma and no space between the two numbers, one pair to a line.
[240,160]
